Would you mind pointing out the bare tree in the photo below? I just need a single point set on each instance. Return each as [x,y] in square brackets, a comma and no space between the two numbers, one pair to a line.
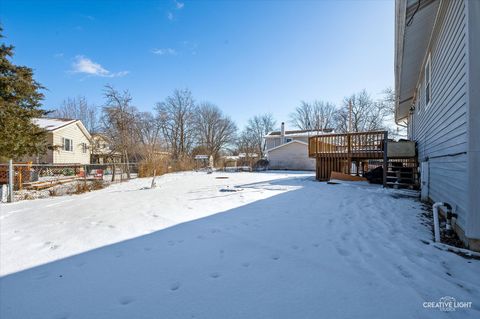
[255,131]
[78,108]
[176,118]
[314,115]
[213,129]
[148,134]
[118,119]
[366,114]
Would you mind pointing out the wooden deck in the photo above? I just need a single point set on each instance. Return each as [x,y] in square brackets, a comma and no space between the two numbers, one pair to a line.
[337,152]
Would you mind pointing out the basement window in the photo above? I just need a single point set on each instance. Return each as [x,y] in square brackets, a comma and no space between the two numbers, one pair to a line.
[428,75]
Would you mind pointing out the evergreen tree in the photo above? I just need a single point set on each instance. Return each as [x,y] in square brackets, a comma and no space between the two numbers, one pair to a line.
[20,102]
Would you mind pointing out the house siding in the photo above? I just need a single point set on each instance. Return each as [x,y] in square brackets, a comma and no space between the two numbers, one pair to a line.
[271,142]
[473,29]
[441,129]
[73,132]
[293,156]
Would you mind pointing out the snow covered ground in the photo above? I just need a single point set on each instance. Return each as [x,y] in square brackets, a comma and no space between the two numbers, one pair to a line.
[282,246]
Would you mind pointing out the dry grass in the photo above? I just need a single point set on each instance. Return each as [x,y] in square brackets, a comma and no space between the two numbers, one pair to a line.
[147,168]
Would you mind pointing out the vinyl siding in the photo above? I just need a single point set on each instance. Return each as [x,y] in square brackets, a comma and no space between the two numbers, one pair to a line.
[473,29]
[271,142]
[441,128]
[74,133]
[293,156]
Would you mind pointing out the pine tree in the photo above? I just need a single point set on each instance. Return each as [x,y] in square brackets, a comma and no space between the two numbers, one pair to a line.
[20,102]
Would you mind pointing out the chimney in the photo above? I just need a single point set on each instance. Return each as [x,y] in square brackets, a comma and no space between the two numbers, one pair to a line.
[282,133]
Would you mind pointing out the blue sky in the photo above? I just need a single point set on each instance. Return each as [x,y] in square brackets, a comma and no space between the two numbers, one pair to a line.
[248,57]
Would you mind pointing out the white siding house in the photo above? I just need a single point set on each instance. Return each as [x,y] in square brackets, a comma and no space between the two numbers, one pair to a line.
[437,84]
[69,141]
[289,149]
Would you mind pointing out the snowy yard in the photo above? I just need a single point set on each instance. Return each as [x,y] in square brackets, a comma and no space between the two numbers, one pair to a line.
[282,246]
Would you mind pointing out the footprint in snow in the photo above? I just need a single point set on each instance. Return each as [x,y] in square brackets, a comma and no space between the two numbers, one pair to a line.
[215,275]
[125,300]
[174,286]
[147,248]
[275,256]
[343,252]
[246,264]
[52,245]
[316,245]
[155,215]
[294,247]
[405,273]
[111,226]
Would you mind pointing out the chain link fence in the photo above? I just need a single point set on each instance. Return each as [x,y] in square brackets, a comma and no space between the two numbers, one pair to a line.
[31,181]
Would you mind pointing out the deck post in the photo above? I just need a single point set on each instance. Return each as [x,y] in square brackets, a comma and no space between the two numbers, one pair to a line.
[11,173]
[385,158]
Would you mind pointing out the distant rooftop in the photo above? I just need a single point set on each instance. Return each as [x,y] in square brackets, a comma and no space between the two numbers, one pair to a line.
[300,132]
[51,124]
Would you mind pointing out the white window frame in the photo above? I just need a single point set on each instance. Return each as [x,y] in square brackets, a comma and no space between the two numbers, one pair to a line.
[64,144]
[84,148]
[428,82]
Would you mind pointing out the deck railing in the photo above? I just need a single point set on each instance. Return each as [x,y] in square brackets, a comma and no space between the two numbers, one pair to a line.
[369,145]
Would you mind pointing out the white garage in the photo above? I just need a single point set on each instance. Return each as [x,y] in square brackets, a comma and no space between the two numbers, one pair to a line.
[292,155]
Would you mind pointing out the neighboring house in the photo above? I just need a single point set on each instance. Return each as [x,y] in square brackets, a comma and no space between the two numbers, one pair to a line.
[68,140]
[102,151]
[289,149]
[437,82]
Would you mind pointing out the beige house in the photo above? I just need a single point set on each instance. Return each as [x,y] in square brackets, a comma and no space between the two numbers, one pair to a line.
[69,141]
[289,149]
[102,150]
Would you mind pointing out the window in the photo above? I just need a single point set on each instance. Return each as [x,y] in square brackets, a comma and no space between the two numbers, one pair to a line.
[67,144]
[84,147]
[288,140]
[428,89]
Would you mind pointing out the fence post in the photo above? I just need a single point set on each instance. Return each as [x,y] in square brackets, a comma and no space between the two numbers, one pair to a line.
[10,181]
[85,176]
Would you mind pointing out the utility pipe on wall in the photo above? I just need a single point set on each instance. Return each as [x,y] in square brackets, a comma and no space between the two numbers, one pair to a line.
[436,223]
